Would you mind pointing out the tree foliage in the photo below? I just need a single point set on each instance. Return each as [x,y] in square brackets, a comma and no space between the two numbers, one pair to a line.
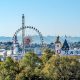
[8,69]
[49,66]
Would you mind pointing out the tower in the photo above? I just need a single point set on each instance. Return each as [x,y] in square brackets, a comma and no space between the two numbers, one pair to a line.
[15,39]
[58,45]
[65,46]
[23,33]
[15,45]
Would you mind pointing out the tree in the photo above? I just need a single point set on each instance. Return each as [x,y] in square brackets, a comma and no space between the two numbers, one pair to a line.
[31,67]
[47,54]
[62,68]
[28,64]
[8,69]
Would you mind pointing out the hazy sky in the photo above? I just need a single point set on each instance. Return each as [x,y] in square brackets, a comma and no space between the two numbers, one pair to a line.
[51,17]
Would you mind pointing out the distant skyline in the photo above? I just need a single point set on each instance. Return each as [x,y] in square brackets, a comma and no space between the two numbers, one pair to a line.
[51,17]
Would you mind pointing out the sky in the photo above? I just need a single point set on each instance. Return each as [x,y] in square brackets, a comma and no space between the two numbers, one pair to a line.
[51,17]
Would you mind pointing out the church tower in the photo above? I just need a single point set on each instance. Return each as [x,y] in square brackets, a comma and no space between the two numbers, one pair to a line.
[65,46]
[58,45]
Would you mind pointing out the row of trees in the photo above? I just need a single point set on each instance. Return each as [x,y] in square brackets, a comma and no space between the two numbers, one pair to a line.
[49,66]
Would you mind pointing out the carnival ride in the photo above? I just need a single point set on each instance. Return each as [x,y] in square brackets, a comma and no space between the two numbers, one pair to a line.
[24,38]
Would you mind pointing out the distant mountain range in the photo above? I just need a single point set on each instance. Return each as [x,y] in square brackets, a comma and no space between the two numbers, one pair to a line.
[5,39]
[47,39]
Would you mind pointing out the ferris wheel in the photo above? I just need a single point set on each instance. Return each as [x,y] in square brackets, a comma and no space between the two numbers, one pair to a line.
[28,37]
